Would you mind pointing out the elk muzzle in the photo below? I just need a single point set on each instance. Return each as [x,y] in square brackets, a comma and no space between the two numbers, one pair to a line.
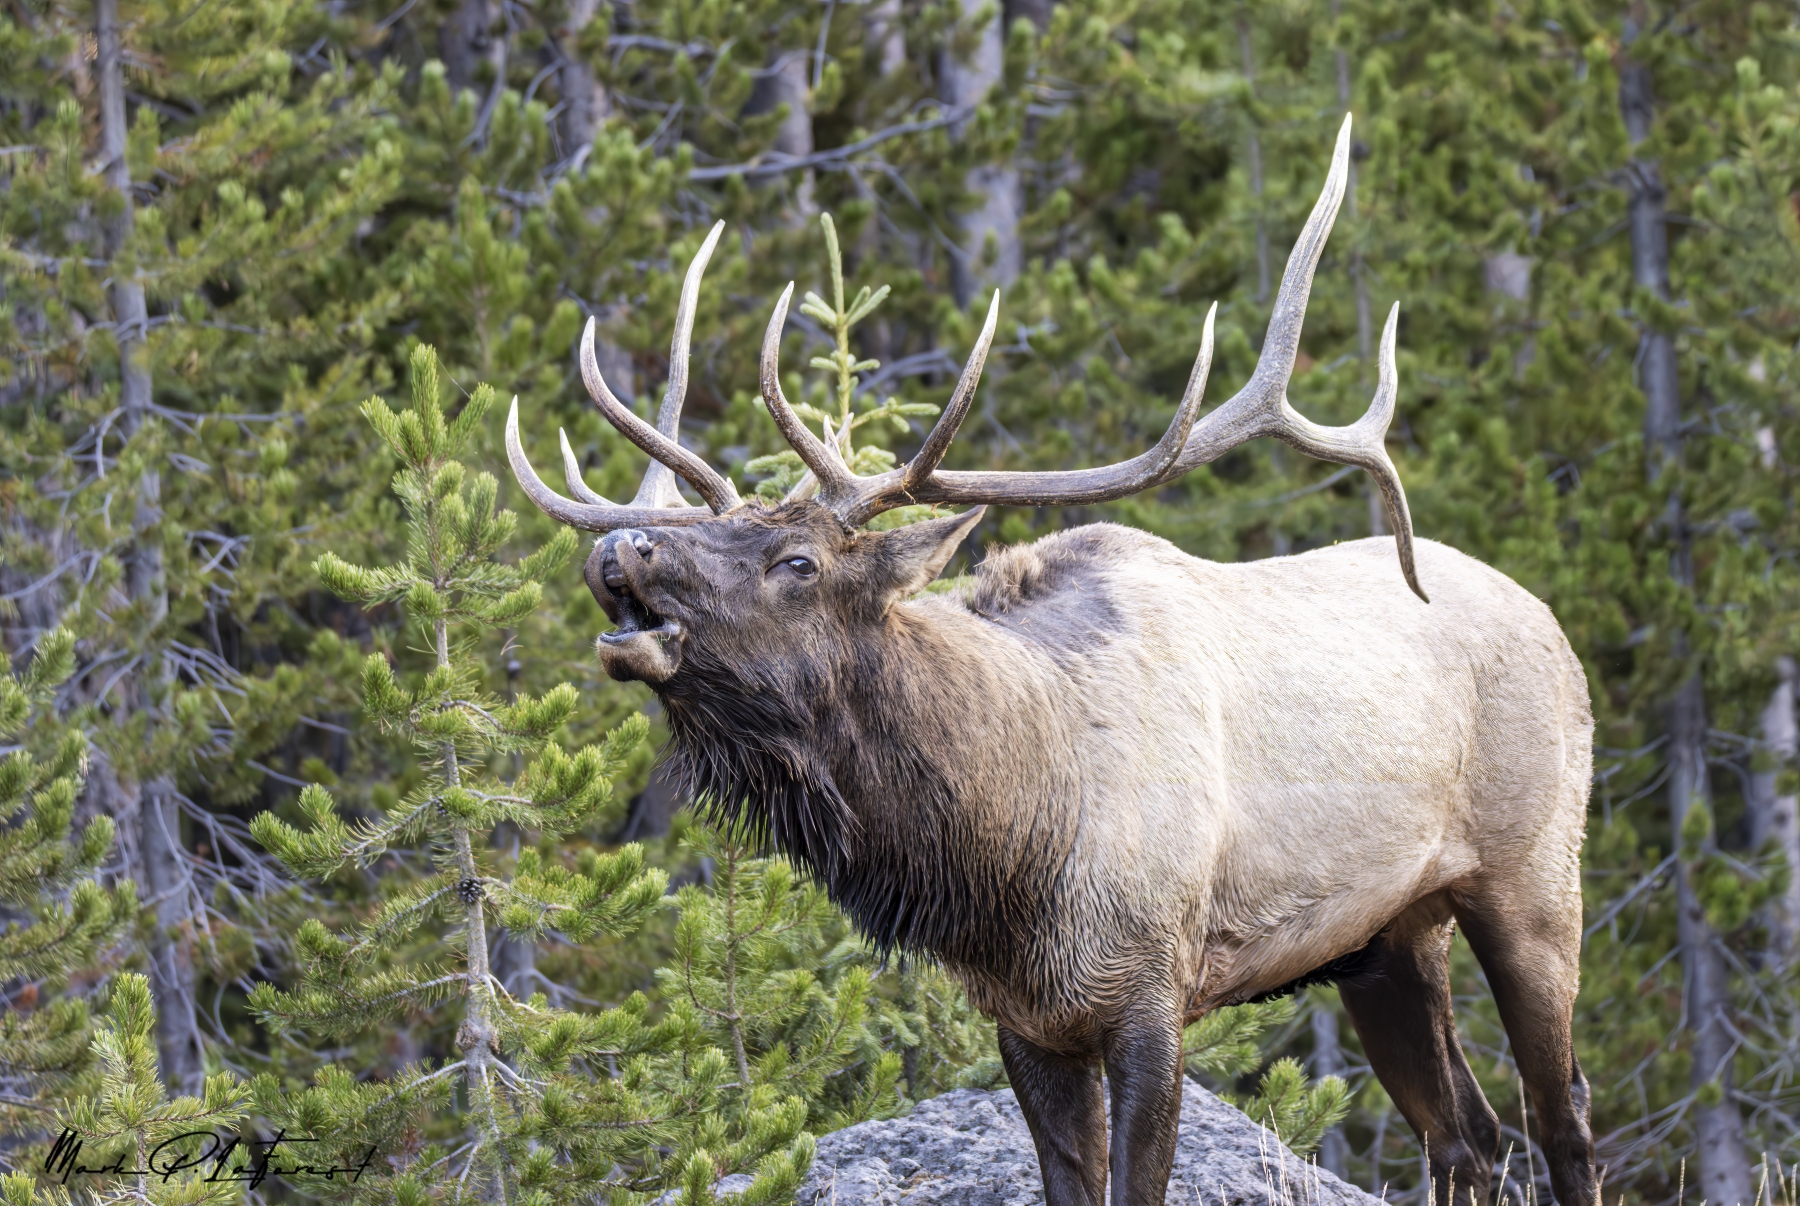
[646,645]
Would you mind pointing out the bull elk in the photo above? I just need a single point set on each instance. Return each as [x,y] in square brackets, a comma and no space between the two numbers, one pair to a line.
[1111,786]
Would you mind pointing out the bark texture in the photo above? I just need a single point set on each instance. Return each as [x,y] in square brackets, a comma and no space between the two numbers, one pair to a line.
[585,100]
[1648,218]
[784,82]
[472,44]
[992,254]
[1775,814]
[148,812]
[1725,1174]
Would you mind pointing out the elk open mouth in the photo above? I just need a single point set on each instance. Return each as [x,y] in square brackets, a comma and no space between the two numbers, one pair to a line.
[637,618]
[646,645]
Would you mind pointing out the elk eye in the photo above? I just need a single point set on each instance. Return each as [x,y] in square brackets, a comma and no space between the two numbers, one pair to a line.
[802,566]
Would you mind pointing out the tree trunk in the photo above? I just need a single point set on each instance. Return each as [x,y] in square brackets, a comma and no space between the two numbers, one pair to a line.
[1659,377]
[1254,162]
[585,100]
[586,104]
[1774,815]
[126,295]
[1328,1060]
[154,815]
[476,1038]
[784,82]
[165,877]
[992,254]
[887,36]
[472,44]
[1359,280]
[1718,1126]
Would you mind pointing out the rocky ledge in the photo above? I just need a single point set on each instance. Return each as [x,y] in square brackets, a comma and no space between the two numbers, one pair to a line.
[972,1148]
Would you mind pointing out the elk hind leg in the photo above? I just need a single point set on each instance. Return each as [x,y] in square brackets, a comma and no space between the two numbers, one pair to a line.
[1065,1107]
[1401,1009]
[1528,938]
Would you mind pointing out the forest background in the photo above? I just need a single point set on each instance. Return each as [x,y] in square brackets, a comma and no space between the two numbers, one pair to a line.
[225,224]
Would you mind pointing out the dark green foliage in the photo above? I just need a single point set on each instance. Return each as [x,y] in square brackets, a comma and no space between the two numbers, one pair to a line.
[745,960]
[58,919]
[316,195]
[542,1128]
[1229,1043]
[131,1115]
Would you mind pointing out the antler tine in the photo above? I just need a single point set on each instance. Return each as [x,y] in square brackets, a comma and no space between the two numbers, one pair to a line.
[1261,408]
[835,479]
[931,452]
[572,475]
[1275,366]
[1255,410]
[1079,486]
[599,516]
[855,500]
[658,487]
[1364,444]
[718,492]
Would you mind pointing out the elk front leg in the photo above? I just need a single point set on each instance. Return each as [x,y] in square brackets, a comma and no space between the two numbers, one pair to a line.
[1143,1074]
[1063,1105]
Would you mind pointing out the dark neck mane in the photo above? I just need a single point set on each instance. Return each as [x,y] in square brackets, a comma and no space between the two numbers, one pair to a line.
[857,785]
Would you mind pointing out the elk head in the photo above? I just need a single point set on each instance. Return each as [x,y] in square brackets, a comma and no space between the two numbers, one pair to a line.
[773,597]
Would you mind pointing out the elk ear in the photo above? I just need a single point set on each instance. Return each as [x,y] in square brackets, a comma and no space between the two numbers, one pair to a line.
[905,560]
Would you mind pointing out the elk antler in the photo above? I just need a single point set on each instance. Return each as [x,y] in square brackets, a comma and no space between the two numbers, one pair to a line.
[657,502]
[855,500]
[1259,409]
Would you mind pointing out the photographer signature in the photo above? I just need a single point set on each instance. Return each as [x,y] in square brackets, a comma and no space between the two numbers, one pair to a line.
[167,1159]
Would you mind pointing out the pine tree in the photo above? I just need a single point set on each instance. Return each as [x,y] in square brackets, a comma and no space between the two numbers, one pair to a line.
[1228,1044]
[181,323]
[527,1121]
[131,1123]
[746,958]
[942,1041]
[59,919]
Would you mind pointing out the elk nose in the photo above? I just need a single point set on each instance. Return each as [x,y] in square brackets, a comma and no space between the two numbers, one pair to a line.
[610,571]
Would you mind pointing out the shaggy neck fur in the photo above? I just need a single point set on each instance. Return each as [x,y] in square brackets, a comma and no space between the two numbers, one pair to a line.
[871,783]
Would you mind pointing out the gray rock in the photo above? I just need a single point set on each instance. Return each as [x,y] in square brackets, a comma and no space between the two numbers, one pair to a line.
[972,1148]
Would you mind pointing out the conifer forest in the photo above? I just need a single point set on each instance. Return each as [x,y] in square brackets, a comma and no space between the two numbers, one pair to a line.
[317,813]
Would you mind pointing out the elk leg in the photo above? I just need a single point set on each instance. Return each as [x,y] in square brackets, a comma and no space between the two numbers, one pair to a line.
[1530,949]
[1401,1009]
[1143,1072]
[1063,1105]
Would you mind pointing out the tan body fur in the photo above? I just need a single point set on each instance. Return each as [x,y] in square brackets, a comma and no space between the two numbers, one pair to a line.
[1267,763]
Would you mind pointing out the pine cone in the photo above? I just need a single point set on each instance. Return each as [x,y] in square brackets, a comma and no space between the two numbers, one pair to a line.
[470,890]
